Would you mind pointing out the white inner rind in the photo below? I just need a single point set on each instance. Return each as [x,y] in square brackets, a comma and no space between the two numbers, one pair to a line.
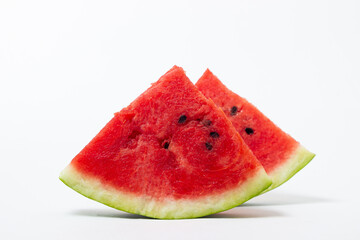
[166,208]
[300,158]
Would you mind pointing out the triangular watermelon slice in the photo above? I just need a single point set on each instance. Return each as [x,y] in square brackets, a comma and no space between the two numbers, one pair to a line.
[280,154]
[170,154]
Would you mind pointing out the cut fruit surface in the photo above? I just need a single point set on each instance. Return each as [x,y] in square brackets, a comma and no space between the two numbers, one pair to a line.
[280,154]
[170,154]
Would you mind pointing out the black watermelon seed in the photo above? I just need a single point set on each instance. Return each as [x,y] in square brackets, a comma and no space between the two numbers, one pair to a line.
[249,131]
[233,110]
[182,119]
[214,135]
[208,146]
[207,122]
[166,145]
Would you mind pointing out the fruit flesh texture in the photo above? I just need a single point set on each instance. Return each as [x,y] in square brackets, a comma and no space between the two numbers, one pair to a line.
[129,156]
[272,147]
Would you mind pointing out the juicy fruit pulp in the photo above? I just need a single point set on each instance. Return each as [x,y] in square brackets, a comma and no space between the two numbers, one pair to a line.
[170,154]
[280,154]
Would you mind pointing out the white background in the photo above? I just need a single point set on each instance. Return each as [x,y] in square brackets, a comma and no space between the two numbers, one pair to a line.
[67,66]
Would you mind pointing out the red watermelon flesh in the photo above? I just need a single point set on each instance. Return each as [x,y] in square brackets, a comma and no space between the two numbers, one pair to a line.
[170,154]
[280,154]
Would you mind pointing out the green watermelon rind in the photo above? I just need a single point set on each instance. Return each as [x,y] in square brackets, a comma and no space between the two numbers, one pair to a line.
[294,164]
[169,209]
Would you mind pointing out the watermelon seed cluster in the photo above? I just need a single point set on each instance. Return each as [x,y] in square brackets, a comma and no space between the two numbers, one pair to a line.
[206,123]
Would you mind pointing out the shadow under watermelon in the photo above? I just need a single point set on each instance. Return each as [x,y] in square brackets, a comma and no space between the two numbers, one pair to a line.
[275,199]
[107,213]
[232,213]
[246,213]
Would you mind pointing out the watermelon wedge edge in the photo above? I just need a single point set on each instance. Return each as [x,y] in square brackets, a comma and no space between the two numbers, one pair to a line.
[287,170]
[170,209]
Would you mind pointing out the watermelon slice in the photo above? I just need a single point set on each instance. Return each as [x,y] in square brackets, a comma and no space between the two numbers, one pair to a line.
[280,154]
[170,154]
